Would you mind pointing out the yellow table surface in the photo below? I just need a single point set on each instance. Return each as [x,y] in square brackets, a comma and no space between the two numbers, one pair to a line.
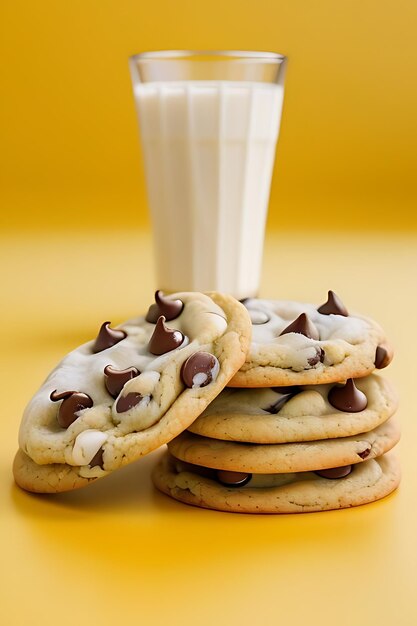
[118,552]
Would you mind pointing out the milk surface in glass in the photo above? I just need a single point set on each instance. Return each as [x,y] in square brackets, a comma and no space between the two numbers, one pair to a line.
[209,150]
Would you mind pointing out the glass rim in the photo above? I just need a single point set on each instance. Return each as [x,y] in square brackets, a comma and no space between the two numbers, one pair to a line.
[235,56]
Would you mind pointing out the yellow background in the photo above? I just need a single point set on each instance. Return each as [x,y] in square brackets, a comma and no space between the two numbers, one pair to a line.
[346,158]
[75,250]
[118,552]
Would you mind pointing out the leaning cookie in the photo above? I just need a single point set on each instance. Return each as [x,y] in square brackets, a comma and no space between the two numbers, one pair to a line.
[51,478]
[284,458]
[134,388]
[301,344]
[303,492]
[290,414]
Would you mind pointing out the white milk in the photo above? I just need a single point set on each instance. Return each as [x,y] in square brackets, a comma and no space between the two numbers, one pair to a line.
[209,151]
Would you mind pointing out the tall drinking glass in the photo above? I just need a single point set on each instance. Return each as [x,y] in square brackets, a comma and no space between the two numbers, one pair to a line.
[209,123]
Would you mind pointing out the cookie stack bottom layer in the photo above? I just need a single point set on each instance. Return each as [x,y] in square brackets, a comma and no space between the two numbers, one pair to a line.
[300,492]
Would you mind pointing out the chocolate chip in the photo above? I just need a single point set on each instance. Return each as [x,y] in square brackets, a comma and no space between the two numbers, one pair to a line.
[288,393]
[318,358]
[382,357]
[115,380]
[364,453]
[229,479]
[73,402]
[164,339]
[333,306]
[170,309]
[335,472]
[347,397]
[199,369]
[206,472]
[303,326]
[128,401]
[107,337]
[233,479]
[97,459]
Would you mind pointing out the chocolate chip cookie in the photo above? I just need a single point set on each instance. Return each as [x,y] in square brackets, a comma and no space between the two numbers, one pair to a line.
[298,413]
[285,457]
[301,344]
[300,492]
[132,389]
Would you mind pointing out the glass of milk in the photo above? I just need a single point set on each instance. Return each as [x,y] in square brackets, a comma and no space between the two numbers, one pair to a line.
[209,123]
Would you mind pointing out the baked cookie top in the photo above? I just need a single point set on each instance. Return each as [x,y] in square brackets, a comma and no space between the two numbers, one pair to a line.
[136,386]
[296,343]
[303,413]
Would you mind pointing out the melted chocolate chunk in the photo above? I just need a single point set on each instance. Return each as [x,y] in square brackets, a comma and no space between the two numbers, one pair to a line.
[303,326]
[347,398]
[107,337]
[97,459]
[382,357]
[164,339]
[318,358]
[335,472]
[73,402]
[333,306]
[170,309]
[127,402]
[277,406]
[288,393]
[233,479]
[115,380]
[364,453]
[199,369]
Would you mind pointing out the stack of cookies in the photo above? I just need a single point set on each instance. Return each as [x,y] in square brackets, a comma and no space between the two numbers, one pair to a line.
[266,407]
[305,425]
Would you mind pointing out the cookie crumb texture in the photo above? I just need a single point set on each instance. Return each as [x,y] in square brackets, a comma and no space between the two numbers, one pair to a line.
[302,492]
[294,343]
[114,399]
